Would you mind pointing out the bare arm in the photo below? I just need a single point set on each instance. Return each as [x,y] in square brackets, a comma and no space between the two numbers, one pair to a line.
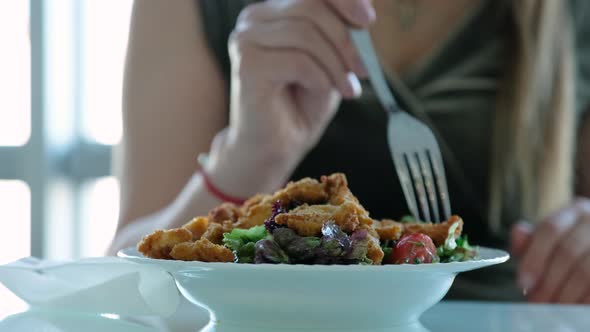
[174,104]
[583,162]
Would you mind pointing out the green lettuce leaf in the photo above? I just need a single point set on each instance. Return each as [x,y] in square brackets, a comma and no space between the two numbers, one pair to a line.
[408,219]
[242,242]
[456,249]
[450,242]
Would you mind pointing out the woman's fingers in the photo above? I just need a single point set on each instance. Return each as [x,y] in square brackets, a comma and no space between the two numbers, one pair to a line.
[325,18]
[279,66]
[520,236]
[282,67]
[300,36]
[576,287]
[359,13]
[306,72]
[543,243]
[568,254]
[586,298]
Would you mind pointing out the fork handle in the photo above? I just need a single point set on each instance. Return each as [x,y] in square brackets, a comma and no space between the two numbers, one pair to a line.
[364,45]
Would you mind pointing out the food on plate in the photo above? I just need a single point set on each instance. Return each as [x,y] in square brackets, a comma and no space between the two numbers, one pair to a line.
[414,248]
[160,243]
[437,232]
[201,250]
[308,222]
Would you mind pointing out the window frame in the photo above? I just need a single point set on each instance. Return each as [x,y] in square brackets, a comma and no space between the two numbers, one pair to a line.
[41,159]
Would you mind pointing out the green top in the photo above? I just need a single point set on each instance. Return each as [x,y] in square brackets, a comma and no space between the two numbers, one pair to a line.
[456,88]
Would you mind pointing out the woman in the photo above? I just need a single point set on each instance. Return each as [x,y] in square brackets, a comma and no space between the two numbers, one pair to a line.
[503,83]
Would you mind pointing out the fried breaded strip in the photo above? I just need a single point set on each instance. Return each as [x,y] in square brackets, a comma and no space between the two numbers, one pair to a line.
[258,209]
[202,250]
[336,187]
[198,226]
[252,201]
[375,253]
[388,229]
[347,216]
[352,208]
[306,190]
[437,232]
[215,231]
[307,220]
[160,243]
[256,215]
[224,212]
[370,230]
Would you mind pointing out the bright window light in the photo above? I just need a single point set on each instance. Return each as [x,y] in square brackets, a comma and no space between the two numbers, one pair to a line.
[59,229]
[10,303]
[15,216]
[100,211]
[15,73]
[105,28]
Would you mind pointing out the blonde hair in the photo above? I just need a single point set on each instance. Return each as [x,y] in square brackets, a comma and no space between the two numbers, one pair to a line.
[533,138]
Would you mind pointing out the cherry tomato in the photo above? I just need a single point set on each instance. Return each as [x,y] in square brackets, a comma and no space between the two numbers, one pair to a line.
[414,249]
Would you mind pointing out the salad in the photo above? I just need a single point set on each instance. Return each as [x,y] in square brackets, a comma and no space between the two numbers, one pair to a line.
[309,222]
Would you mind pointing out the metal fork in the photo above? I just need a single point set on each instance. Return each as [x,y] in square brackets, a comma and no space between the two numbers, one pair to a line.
[412,144]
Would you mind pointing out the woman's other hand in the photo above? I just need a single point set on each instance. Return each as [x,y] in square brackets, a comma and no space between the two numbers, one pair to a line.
[292,62]
[555,256]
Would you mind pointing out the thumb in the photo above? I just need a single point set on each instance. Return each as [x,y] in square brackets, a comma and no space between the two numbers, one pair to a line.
[520,236]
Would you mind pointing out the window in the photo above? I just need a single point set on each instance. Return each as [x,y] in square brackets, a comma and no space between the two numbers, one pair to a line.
[15,129]
[103,70]
[60,229]
[10,303]
[16,220]
[103,43]
[100,206]
[61,77]
[15,66]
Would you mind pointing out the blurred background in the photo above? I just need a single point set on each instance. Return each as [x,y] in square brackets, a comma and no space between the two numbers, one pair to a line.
[61,70]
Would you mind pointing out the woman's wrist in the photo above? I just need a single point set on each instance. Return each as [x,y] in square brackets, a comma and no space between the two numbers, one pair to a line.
[216,192]
[240,171]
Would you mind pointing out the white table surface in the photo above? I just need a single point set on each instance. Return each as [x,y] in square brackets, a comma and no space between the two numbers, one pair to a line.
[452,316]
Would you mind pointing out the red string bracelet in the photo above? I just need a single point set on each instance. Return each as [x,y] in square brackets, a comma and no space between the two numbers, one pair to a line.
[220,195]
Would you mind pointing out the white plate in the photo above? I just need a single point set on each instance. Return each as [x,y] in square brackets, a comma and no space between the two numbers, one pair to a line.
[247,297]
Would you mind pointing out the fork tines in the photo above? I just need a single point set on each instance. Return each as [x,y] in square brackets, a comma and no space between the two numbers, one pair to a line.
[421,179]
